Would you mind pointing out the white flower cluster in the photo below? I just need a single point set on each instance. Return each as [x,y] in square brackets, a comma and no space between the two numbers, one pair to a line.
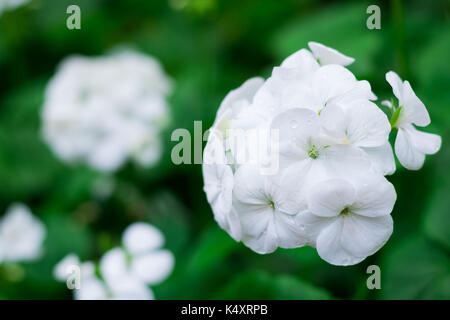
[104,110]
[126,272]
[21,235]
[330,190]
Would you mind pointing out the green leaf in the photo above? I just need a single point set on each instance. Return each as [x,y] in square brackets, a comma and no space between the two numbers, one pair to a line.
[213,247]
[260,285]
[342,27]
[416,269]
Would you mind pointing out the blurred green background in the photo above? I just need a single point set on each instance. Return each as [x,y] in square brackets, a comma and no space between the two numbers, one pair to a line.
[210,47]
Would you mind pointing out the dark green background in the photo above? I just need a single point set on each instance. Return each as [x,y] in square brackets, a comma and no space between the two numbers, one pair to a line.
[210,47]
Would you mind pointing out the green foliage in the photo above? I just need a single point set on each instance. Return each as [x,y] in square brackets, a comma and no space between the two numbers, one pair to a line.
[416,269]
[260,285]
[210,47]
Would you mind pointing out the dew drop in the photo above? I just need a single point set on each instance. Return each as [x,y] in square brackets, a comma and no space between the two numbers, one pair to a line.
[294,124]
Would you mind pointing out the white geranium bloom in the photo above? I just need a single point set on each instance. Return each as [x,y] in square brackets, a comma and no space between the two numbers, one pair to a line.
[411,145]
[105,110]
[267,208]
[141,261]
[349,221]
[149,262]
[312,156]
[326,55]
[21,235]
[126,272]
[122,283]
[328,188]
[362,125]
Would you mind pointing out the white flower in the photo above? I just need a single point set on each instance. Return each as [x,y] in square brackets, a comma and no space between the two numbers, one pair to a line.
[121,283]
[333,151]
[105,110]
[362,125]
[21,235]
[326,55]
[267,208]
[411,145]
[149,262]
[349,221]
[311,156]
[126,272]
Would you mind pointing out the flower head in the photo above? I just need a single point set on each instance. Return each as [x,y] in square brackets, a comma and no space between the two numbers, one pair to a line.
[105,110]
[21,235]
[127,271]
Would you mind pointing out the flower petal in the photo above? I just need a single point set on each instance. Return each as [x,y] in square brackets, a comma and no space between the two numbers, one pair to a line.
[329,246]
[327,55]
[302,59]
[141,237]
[374,197]
[329,198]
[367,125]
[363,236]
[245,92]
[113,264]
[396,83]
[413,110]
[411,146]
[153,267]
[382,158]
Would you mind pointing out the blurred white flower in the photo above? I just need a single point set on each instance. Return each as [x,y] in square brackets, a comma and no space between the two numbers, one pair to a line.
[21,235]
[62,270]
[142,256]
[349,221]
[411,145]
[127,272]
[106,110]
[11,4]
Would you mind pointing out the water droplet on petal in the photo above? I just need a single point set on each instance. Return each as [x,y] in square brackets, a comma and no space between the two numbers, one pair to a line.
[294,124]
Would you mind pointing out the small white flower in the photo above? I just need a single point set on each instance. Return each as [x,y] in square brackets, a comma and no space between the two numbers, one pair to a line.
[126,272]
[148,262]
[411,145]
[364,126]
[349,221]
[103,111]
[21,235]
[311,156]
[267,208]
[141,261]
